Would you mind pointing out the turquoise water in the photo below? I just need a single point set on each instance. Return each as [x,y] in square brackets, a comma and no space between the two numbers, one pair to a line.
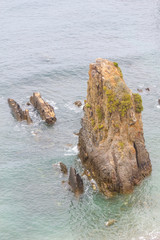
[47,46]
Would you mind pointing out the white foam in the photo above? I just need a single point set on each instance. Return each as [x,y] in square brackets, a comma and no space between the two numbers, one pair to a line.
[151,236]
[71,151]
[71,106]
[52,103]
[56,164]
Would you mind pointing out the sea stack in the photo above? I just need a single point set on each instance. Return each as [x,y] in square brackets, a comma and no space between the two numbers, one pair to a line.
[111,141]
[45,110]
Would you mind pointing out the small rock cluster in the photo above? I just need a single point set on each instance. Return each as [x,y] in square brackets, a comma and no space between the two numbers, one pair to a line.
[45,110]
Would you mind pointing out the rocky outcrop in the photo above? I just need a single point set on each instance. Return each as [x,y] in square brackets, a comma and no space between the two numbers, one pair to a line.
[76,182]
[111,141]
[45,110]
[18,113]
[63,168]
[78,103]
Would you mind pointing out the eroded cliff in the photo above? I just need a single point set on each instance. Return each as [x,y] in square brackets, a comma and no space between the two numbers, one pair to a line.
[111,141]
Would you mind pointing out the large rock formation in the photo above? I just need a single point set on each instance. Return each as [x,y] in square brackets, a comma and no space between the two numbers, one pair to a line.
[111,141]
[45,110]
[18,113]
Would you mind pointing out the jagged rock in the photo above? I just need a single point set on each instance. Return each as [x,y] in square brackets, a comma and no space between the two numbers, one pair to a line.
[63,168]
[78,103]
[45,110]
[147,89]
[111,141]
[18,113]
[75,181]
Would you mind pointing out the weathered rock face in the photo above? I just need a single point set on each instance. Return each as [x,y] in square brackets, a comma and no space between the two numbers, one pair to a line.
[18,113]
[111,141]
[45,110]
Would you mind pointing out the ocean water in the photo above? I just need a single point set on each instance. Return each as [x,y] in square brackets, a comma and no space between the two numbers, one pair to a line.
[47,46]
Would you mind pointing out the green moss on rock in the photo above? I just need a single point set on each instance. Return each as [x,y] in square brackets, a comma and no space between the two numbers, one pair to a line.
[138,103]
[125,104]
[88,105]
[121,145]
[100,126]
[115,104]
[92,122]
[99,114]
[121,74]
[112,102]
[115,64]
[116,125]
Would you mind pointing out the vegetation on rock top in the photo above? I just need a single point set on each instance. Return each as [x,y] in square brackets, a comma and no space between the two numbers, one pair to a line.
[138,103]
[114,104]
[115,64]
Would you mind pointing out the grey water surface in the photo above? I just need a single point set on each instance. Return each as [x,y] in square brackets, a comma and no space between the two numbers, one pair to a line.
[47,46]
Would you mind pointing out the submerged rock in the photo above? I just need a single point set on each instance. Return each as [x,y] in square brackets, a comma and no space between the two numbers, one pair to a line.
[75,181]
[110,222]
[78,103]
[45,110]
[63,168]
[111,141]
[139,90]
[18,113]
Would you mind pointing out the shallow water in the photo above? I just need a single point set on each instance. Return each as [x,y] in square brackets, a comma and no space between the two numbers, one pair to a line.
[47,46]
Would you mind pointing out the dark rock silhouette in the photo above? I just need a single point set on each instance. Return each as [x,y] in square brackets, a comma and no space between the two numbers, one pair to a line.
[147,89]
[75,181]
